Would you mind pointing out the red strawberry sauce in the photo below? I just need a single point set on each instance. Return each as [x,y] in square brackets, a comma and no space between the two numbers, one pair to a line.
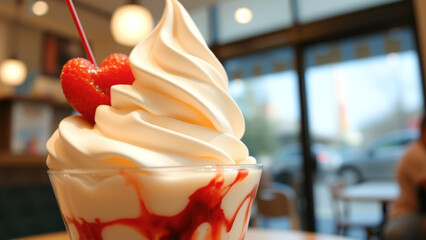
[204,206]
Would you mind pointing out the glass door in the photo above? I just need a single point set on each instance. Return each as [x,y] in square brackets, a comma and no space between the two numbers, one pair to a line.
[265,86]
[365,101]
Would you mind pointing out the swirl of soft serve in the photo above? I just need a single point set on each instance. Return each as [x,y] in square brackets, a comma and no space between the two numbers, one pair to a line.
[178,112]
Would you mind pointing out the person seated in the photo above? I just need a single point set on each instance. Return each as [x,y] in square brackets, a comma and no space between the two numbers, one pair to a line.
[408,218]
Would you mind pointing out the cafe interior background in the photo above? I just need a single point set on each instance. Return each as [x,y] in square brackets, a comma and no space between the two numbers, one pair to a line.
[329,87]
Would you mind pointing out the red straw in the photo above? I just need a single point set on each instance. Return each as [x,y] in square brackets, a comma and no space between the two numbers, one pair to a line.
[80,30]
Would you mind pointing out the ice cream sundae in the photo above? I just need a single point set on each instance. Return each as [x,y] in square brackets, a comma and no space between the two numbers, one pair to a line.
[156,152]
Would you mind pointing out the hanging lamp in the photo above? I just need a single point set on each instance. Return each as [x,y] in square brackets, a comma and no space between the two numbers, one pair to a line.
[243,15]
[130,23]
[13,71]
[40,8]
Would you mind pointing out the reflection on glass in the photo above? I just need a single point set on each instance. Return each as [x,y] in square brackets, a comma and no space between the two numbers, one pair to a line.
[269,104]
[365,103]
[265,87]
[351,101]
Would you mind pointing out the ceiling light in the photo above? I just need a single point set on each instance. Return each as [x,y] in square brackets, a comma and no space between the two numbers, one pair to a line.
[40,8]
[13,72]
[243,15]
[130,24]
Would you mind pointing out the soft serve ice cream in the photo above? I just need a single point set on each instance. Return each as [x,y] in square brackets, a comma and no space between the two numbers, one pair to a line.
[177,114]
[178,110]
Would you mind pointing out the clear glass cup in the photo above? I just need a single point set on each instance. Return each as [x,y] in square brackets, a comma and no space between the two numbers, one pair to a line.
[185,203]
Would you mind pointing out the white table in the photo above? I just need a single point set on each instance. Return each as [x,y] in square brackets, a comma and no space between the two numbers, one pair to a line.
[252,234]
[382,192]
[266,234]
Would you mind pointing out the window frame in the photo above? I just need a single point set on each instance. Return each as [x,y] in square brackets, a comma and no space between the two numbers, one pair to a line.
[300,37]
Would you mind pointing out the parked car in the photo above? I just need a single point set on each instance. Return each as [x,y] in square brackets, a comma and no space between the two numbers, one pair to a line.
[379,160]
[286,163]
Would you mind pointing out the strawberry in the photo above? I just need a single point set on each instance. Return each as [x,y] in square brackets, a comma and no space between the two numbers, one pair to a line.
[86,86]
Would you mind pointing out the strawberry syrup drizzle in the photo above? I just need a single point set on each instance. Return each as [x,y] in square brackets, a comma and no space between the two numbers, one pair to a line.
[204,206]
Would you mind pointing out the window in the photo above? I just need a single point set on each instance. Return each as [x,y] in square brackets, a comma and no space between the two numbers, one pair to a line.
[364,103]
[362,84]
[265,88]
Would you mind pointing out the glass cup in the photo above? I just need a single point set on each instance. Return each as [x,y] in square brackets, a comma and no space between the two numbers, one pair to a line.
[200,202]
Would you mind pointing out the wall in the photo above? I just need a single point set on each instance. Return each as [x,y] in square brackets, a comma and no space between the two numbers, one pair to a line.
[311,10]
[4,90]
[268,16]
[31,40]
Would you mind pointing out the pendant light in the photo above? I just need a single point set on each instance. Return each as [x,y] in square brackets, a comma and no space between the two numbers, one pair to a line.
[13,71]
[40,8]
[243,15]
[130,23]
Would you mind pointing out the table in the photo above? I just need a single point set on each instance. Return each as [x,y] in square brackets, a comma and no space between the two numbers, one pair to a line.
[252,234]
[383,192]
[266,234]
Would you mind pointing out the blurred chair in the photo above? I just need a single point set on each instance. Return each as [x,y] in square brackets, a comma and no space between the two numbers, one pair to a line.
[421,194]
[28,210]
[422,206]
[276,200]
[344,219]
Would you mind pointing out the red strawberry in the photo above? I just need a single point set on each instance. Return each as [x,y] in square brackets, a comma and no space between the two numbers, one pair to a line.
[86,86]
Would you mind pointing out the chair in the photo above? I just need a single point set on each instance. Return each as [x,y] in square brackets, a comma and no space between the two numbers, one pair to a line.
[421,194]
[277,200]
[344,220]
[28,210]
